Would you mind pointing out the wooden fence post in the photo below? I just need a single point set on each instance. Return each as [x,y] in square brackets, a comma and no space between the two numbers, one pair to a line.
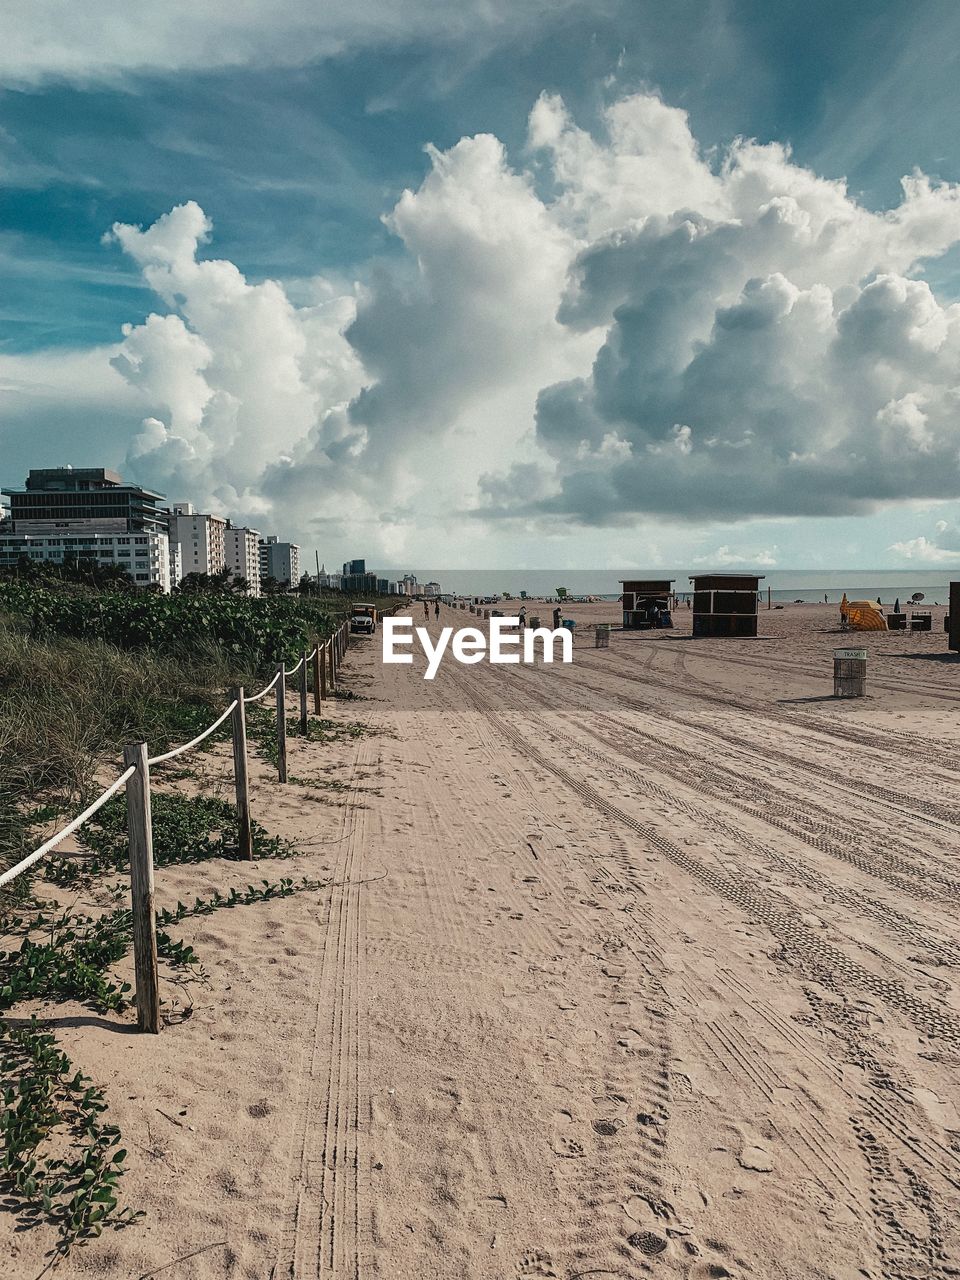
[333,666]
[303,692]
[317,669]
[244,835]
[322,649]
[140,836]
[282,722]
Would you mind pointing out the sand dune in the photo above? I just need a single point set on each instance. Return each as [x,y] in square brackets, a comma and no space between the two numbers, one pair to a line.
[641,966]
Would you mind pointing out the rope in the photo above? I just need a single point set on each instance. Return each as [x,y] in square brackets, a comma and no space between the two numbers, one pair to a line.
[255,697]
[114,787]
[67,830]
[178,751]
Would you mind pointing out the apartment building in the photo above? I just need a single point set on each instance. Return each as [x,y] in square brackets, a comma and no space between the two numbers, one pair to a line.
[279,560]
[87,515]
[242,553]
[201,538]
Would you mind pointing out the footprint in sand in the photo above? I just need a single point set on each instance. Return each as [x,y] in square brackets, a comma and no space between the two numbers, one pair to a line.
[535,1264]
[648,1243]
[607,1128]
[633,1041]
[563,1142]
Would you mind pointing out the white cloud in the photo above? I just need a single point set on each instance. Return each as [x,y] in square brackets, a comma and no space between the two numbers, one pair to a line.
[662,337]
[725,556]
[104,38]
[924,550]
[235,378]
[761,307]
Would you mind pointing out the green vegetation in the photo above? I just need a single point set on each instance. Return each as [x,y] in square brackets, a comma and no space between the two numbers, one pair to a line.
[250,632]
[42,1093]
[60,1164]
[82,672]
[66,707]
[185,829]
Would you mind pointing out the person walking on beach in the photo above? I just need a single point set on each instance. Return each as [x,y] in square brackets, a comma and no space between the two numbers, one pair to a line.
[426,612]
[557,618]
[436,609]
[523,616]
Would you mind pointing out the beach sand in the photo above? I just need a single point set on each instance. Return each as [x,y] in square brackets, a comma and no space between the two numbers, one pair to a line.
[643,966]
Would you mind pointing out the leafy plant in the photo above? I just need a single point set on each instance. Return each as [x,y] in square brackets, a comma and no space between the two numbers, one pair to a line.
[185,829]
[258,630]
[263,892]
[76,1192]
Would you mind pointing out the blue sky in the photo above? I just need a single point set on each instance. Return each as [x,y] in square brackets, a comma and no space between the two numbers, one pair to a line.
[297,135]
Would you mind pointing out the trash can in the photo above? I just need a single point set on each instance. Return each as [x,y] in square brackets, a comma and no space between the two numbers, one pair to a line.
[534,621]
[849,673]
[602,639]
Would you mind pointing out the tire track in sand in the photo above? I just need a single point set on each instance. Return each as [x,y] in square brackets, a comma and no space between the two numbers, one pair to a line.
[322,1232]
[809,953]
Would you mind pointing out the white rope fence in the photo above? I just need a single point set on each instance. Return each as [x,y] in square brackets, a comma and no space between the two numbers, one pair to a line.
[194,742]
[51,844]
[326,659]
[255,697]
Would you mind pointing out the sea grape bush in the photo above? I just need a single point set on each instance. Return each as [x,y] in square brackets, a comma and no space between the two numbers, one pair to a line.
[59,1163]
[256,631]
[76,1192]
[185,829]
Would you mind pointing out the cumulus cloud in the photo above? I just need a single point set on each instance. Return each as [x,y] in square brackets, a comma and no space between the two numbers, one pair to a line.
[925,551]
[458,351]
[234,377]
[943,548]
[621,329]
[756,304]
[725,556]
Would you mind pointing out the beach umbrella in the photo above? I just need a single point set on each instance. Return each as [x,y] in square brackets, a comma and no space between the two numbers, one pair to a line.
[896,605]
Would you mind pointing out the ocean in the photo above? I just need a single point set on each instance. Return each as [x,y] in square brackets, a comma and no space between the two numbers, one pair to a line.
[809,585]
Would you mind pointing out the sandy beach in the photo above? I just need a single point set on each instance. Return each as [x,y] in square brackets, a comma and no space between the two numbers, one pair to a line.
[641,966]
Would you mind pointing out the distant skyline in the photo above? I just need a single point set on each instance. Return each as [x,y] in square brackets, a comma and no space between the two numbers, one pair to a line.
[603,284]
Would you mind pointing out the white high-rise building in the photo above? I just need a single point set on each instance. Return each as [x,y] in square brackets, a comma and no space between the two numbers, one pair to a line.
[201,539]
[242,553]
[279,560]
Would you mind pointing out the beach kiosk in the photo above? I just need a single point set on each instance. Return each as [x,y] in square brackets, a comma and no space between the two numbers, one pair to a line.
[725,604]
[646,604]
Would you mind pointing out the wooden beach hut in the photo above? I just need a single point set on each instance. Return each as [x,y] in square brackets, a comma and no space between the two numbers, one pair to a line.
[645,603]
[725,604]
